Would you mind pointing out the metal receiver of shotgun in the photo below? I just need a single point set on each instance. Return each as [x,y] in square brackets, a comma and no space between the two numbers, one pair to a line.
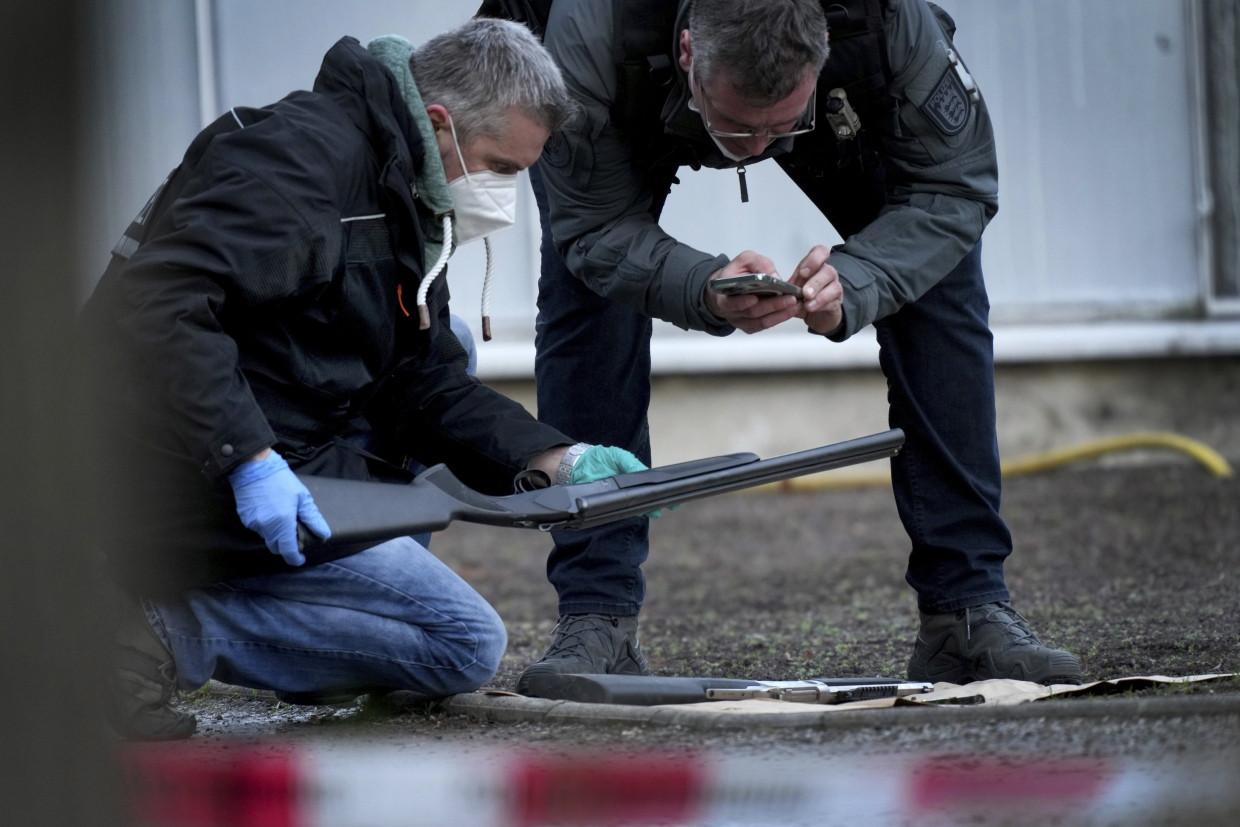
[363,511]
[819,691]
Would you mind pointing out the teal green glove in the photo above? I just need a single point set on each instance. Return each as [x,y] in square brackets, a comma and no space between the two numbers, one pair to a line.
[602,461]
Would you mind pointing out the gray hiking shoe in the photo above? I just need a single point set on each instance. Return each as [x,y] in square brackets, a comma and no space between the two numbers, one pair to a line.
[141,684]
[985,642]
[592,644]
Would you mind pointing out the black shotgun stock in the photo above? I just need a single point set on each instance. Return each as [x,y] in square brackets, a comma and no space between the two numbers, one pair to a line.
[359,511]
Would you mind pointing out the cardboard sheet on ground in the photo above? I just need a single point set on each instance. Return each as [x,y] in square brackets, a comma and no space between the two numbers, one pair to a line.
[990,693]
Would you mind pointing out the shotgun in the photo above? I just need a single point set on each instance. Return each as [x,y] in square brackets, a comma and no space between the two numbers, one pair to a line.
[361,510]
[649,690]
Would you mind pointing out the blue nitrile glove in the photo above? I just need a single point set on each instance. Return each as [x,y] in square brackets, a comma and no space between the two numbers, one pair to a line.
[270,501]
[602,461]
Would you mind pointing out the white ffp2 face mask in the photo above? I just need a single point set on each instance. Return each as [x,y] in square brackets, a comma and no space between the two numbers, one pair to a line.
[483,202]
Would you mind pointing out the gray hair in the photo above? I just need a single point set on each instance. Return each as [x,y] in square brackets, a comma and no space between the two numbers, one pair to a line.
[765,47]
[481,70]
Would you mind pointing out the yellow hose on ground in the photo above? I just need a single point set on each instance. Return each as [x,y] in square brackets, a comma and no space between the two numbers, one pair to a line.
[1035,463]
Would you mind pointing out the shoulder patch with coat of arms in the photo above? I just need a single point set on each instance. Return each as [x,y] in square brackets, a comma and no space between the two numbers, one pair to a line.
[948,104]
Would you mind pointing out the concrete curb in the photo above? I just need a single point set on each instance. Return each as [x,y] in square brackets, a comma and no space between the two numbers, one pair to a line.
[505,708]
[516,709]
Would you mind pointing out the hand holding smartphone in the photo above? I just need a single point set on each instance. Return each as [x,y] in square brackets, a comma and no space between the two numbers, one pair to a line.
[760,284]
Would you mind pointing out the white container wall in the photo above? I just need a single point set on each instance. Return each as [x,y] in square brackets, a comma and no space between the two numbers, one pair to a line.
[1097,121]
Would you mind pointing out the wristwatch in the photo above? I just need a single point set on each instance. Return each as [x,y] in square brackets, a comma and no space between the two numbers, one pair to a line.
[569,460]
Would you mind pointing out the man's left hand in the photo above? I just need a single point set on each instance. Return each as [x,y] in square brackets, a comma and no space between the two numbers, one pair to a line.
[823,305]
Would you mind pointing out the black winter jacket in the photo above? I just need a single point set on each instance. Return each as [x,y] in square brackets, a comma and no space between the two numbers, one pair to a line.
[260,300]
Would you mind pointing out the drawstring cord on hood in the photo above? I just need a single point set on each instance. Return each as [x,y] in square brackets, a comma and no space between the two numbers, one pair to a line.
[424,313]
[486,293]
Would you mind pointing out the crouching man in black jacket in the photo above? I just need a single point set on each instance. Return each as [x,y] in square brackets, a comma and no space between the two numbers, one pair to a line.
[280,306]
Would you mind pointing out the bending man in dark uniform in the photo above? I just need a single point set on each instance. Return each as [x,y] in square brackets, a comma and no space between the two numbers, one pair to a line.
[890,138]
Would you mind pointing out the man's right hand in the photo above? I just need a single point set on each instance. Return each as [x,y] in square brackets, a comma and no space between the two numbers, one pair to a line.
[750,313]
[271,500]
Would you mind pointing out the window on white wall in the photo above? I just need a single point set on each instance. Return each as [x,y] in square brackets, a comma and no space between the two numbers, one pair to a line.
[1219,22]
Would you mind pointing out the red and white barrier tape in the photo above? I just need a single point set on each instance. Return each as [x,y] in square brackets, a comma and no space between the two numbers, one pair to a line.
[335,785]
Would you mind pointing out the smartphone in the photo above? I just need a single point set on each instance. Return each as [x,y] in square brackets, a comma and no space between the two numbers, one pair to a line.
[757,283]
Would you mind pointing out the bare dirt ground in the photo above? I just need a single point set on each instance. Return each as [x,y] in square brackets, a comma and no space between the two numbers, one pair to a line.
[1131,567]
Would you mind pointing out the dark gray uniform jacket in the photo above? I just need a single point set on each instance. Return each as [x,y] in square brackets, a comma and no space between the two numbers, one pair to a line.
[910,196]
[260,300]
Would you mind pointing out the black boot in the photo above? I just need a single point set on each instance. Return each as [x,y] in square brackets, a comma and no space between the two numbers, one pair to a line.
[141,683]
[594,644]
[987,642]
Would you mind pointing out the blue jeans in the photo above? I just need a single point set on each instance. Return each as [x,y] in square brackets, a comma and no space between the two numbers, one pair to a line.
[592,369]
[392,616]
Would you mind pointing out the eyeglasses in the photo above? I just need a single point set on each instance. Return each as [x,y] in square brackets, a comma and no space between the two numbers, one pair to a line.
[811,110]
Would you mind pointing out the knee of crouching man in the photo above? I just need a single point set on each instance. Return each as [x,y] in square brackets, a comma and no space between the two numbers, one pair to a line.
[480,659]
[490,649]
